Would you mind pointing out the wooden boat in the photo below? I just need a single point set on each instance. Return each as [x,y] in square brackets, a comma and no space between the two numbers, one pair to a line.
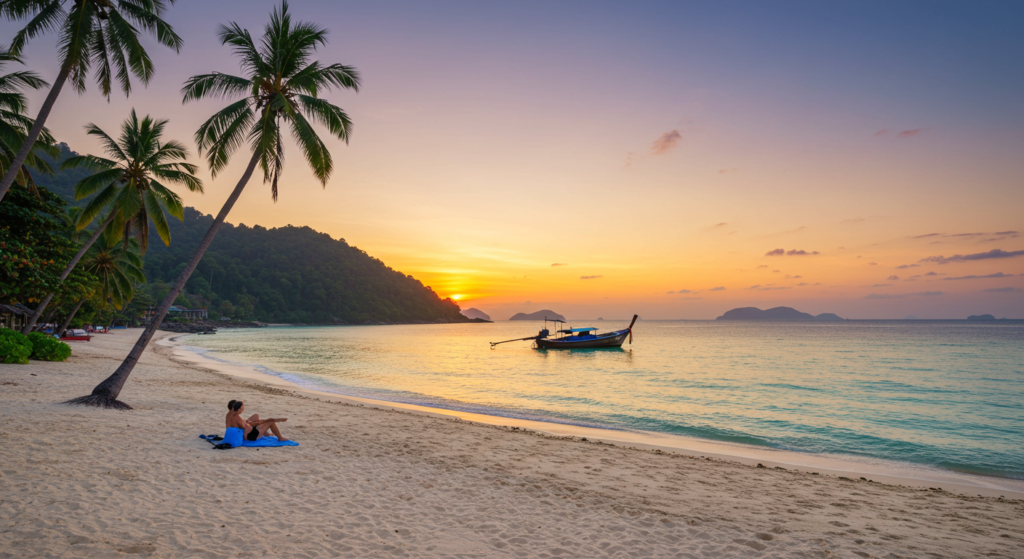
[577,338]
[75,336]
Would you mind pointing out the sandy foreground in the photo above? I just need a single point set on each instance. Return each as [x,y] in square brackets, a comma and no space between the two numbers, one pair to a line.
[84,482]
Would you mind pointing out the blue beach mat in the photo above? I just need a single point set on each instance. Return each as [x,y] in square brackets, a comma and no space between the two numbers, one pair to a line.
[233,437]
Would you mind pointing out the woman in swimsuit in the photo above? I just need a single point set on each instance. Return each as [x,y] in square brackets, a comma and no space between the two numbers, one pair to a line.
[254,427]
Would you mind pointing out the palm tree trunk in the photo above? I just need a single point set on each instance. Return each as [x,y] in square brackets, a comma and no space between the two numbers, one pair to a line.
[105,394]
[46,319]
[33,133]
[67,271]
[67,321]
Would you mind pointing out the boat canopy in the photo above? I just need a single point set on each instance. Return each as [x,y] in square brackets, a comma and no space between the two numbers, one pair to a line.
[575,330]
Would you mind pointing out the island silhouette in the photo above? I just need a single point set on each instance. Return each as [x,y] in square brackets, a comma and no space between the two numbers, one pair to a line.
[778,313]
[539,315]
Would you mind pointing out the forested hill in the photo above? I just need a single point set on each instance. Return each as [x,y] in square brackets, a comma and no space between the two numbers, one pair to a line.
[289,274]
[292,274]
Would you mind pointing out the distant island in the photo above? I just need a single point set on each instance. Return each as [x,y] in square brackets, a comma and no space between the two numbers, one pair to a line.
[539,315]
[474,313]
[778,313]
[982,317]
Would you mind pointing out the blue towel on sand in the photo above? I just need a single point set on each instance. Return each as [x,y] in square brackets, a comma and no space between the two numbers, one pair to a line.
[233,436]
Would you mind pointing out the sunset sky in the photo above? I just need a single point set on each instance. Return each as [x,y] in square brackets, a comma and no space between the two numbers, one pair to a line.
[670,159]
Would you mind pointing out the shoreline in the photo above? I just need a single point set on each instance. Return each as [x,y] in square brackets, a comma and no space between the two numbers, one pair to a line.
[377,480]
[877,470]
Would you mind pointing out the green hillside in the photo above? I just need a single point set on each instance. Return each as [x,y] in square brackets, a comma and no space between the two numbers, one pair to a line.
[289,274]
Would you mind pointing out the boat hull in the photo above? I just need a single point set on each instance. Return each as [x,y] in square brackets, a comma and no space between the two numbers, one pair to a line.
[611,339]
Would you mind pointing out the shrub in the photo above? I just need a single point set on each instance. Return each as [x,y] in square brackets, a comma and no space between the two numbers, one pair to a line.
[48,348]
[14,347]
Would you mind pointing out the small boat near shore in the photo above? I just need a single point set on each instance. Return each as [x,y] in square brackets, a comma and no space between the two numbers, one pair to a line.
[75,336]
[576,338]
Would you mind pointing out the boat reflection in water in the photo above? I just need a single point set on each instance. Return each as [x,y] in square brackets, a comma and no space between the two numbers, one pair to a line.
[577,338]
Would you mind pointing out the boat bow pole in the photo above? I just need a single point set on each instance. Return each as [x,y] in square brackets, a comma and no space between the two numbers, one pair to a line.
[515,340]
[635,316]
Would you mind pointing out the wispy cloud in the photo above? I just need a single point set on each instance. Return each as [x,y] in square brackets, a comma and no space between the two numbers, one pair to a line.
[681,292]
[910,133]
[994,253]
[793,252]
[893,278]
[717,225]
[904,295]
[590,277]
[728,170]
[1003,290]
[905,266]
[881,132]
[926,235]
[559,264]
[665,142]
[995,275]
[717,289]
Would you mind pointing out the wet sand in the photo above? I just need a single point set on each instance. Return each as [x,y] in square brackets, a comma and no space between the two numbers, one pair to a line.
[366,481]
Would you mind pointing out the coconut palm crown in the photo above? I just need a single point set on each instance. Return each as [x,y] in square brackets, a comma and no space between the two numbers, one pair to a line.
[131,181]
[281,85]
[117,267]
[93,35]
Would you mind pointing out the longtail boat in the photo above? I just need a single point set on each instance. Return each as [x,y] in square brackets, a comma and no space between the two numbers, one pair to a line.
[576,338]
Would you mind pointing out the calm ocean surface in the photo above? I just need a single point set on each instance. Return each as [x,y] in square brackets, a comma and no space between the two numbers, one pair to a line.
[948,395]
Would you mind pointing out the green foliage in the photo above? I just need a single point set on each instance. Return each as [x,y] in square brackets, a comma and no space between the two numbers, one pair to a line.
[14,347]
[48,348]
[292,274]
[15,123]
[35,245]
[117,270]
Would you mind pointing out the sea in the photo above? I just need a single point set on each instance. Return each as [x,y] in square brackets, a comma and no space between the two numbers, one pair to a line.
[942,395]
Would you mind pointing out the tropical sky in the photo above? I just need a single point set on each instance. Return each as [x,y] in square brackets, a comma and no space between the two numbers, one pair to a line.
[671,159]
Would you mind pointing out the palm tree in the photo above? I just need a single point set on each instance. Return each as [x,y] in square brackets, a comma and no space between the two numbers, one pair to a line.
[117,270]
[129,185]
[100,34]
[281,86]
[14,125]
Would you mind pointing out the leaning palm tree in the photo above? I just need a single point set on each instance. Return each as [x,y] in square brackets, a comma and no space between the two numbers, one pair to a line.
[128,184]
[100,34]
[281,86]
[15,125]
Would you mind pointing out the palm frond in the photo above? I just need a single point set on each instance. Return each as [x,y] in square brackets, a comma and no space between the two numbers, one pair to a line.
[215,85]
[156,213]
[48,17]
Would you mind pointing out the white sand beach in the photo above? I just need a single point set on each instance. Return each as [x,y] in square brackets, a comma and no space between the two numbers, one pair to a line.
[368,482]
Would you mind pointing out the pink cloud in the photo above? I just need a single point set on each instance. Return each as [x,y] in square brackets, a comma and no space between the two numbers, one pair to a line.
[881,132]
[910,133]
[665,142]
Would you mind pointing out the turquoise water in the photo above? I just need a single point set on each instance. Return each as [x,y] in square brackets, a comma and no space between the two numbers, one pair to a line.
[948,395]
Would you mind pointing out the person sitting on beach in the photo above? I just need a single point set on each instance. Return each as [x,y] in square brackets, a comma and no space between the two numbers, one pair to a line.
[254,427]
